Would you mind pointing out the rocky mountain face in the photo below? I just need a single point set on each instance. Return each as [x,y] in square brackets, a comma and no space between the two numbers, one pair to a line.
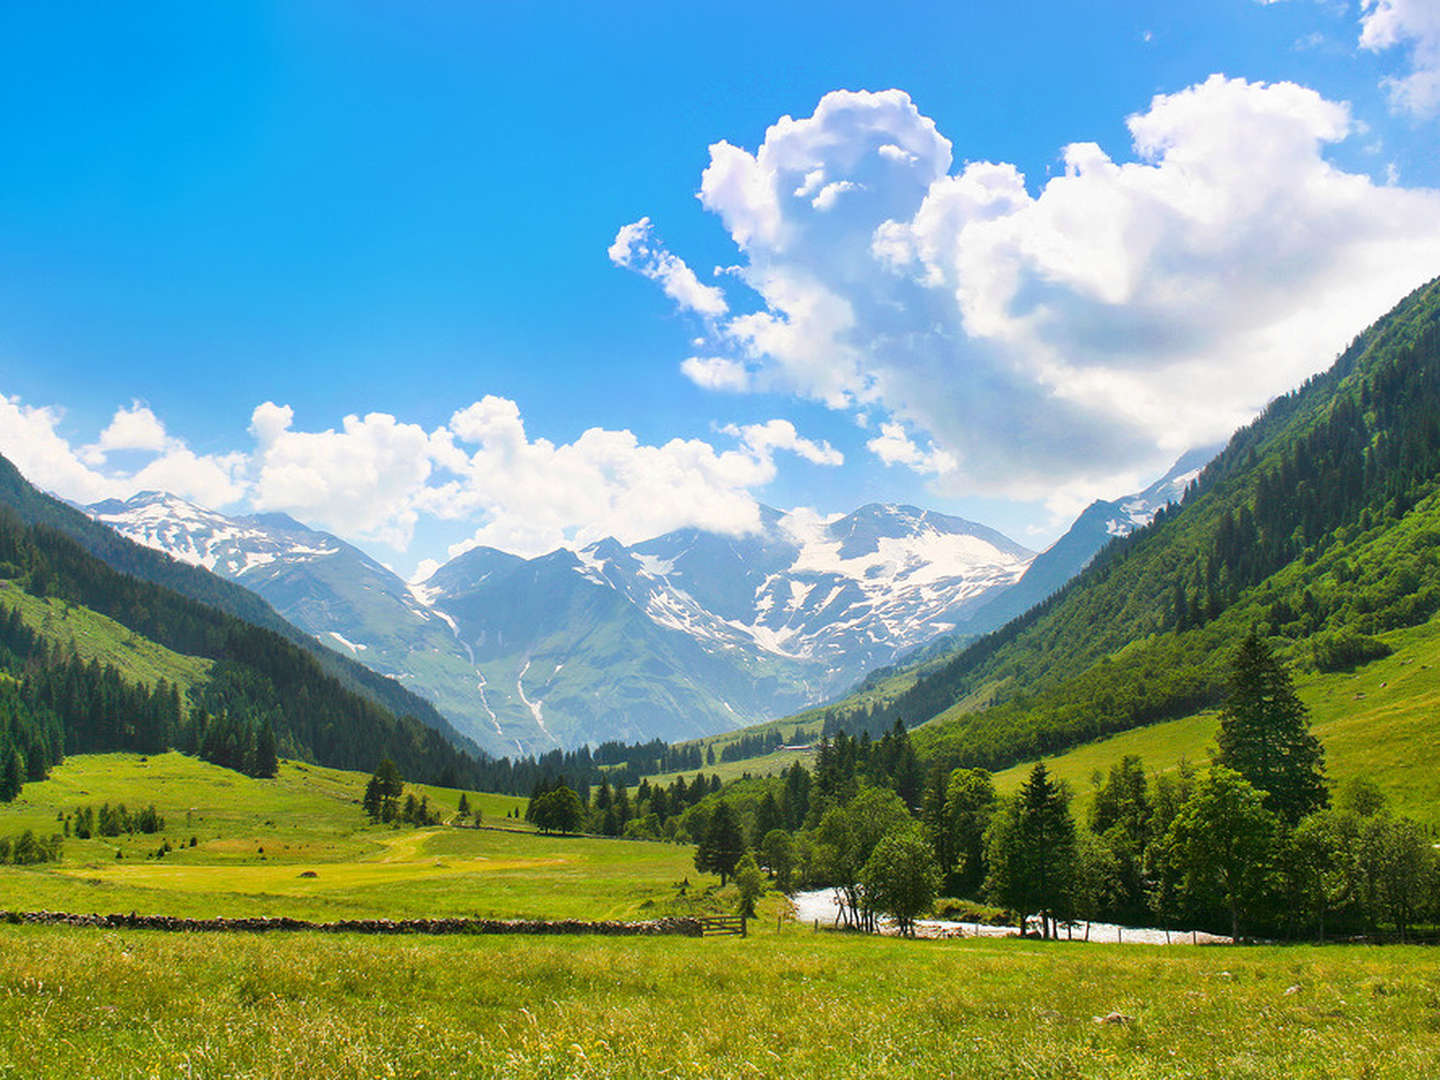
[682,635]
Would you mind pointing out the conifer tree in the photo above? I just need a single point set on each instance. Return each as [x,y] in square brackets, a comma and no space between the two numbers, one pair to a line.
[1265,734]
[12,775]
[723,844]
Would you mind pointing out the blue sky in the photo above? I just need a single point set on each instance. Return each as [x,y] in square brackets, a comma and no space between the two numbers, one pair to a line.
[369,210]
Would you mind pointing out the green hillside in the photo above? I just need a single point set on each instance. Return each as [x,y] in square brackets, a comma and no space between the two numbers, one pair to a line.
[97,637]
[1378,722]
[34,507]
[151,668]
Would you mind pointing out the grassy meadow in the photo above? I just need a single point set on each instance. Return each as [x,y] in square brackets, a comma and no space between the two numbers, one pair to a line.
[789,1004]
[256,838]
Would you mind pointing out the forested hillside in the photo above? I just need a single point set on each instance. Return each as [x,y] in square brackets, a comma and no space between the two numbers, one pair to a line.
[36,508]
[1318,525]
[263,693]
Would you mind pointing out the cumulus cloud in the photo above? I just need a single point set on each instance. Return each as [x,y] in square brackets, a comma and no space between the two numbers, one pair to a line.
[1071,336]
[636,248]
[31,438]
[364,480]
[1413,24]
[133,428]
[535,495]
[716,373]
[376,477]
[894,446]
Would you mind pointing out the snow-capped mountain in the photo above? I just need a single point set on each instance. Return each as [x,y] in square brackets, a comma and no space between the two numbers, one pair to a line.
[682,635]
[320,583]
[1097,525]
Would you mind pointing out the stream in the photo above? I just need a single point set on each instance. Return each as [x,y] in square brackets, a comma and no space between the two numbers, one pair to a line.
[820,905]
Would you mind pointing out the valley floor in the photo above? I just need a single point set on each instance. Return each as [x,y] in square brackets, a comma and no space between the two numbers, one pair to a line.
[791,1004]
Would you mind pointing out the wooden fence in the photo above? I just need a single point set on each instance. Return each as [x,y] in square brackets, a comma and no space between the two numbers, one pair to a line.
[721,924]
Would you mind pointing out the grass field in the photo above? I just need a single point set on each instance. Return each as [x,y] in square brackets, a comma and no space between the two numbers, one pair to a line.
[256,838]
[793,1004]
[1381,721]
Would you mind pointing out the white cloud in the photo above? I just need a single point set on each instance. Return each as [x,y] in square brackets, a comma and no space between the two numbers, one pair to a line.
[636,248]
[1074,337]
[716,373]
[1386,24]
[135,428]
[362,481]
[30,437]
[536,495]
[762,439]
[376,477]
[894,446]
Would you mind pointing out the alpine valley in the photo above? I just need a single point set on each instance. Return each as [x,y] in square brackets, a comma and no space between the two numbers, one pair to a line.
[686,634]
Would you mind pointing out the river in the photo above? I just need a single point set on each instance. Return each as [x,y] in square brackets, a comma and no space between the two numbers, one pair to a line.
[819,905]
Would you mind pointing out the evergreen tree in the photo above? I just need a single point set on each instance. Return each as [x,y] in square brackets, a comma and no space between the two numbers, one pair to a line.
[1031,852]
[723,844]
[372,801]
[12,775]
[1265,734]
[267,762]
[767,818]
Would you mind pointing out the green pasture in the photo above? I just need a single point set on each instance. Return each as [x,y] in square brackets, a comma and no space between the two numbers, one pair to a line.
[106,1004]
[300,845]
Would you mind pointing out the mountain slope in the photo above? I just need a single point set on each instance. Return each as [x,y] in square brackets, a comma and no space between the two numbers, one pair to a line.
[1100,522]
[36,508]
[685,634]
[1317,523]
[257,677]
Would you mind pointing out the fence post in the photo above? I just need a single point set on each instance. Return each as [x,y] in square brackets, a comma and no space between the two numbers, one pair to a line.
[742,926]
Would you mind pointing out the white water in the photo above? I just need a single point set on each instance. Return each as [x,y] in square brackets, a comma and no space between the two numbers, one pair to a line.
[820,905]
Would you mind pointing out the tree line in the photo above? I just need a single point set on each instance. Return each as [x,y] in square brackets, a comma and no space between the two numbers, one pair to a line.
[1252,845]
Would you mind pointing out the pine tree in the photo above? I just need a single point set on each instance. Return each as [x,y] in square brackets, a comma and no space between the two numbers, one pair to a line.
[12,775]
[266,763]
[723,844]
[767,817]
[1265,734]
[1031,851]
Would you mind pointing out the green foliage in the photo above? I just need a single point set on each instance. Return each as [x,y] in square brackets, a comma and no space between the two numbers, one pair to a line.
[1345,649]
[901,878]
[722,845]
[750,883]
[1265,734]
[956,820]
[777,852]
[29,850]
[1217,851]
[559,810]
[1031,854]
